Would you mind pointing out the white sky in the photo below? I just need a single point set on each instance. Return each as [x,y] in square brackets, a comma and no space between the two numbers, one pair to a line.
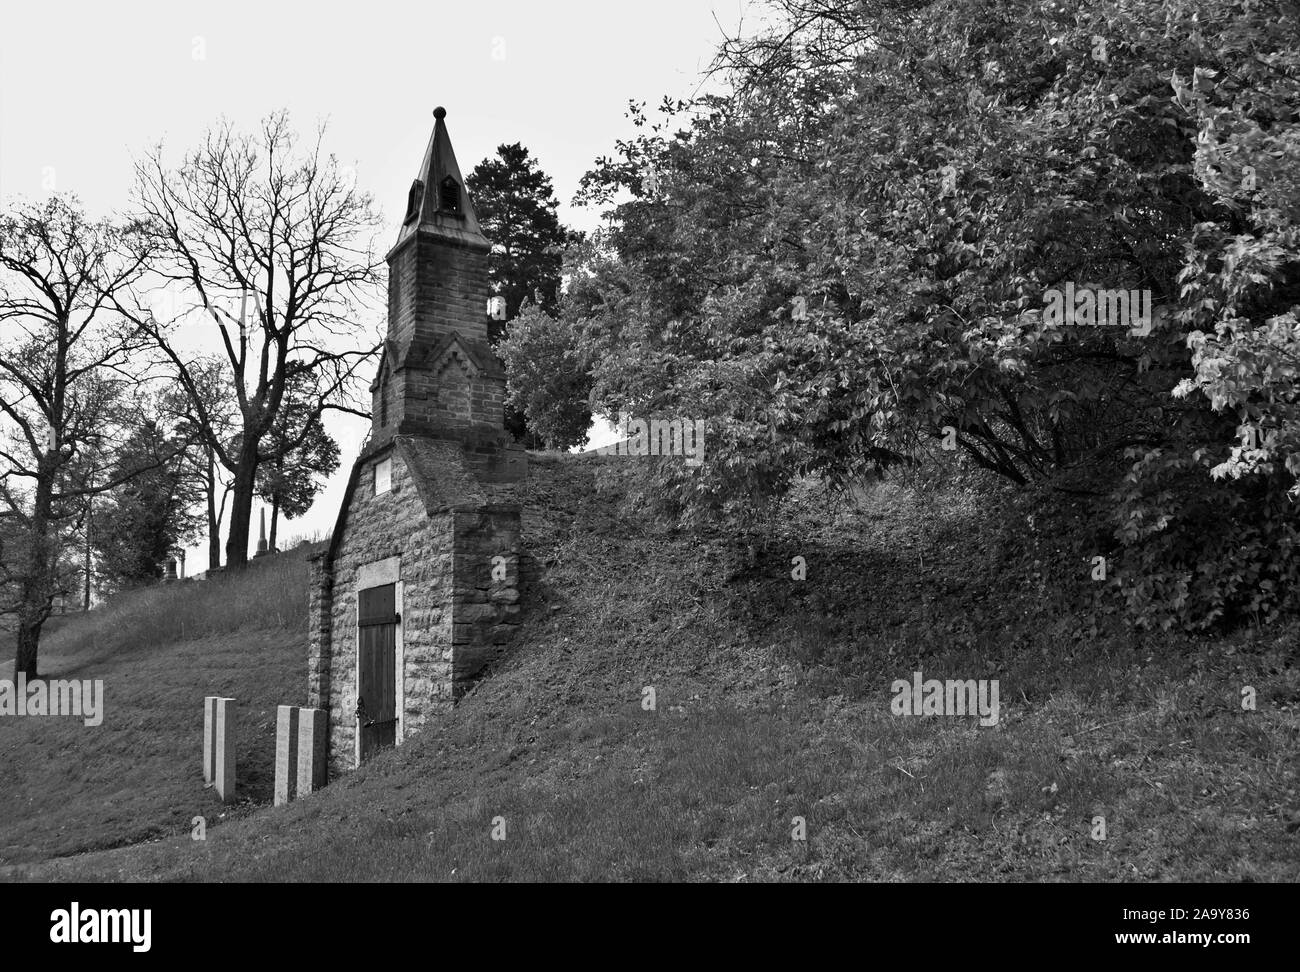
[86,86]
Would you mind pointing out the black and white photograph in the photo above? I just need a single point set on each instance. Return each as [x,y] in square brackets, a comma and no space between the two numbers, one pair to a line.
[701,442]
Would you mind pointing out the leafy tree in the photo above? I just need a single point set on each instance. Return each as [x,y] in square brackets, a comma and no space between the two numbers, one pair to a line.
[516,206]
[291,481]
[851,253]
[150,513]
[547,377]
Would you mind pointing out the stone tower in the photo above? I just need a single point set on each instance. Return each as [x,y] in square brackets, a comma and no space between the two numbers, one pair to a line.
[419,585]
[439,376]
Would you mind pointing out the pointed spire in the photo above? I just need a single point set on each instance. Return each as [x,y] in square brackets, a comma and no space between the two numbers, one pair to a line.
[261,542]
[438,203]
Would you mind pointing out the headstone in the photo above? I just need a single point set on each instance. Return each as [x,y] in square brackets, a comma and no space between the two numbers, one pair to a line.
[224,750]
[209,738]
[286,753]
[311,750]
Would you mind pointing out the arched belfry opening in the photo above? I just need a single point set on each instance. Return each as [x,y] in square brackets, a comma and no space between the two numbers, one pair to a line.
[449,195]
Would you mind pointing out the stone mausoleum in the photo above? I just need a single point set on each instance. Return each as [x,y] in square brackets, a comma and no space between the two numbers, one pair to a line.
[419,586]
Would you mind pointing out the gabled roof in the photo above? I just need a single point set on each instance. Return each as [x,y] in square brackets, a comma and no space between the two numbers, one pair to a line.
[425,212]
[393,358]
[441,474]
[480,357]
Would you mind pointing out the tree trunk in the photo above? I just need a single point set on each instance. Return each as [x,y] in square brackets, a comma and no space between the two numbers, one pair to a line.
[214,521]
[34,591]
[85,603]
[241,507]
[29,639]
[275,521]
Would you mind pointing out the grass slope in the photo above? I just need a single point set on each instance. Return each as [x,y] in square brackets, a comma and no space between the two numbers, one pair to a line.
[66,787]
[772,703]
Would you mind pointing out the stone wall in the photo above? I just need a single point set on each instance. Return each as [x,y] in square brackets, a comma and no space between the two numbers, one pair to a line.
[486,610]
[320,622]
[446,289]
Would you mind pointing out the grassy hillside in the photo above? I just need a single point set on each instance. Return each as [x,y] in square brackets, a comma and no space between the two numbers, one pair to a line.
[68,787]
[772,702]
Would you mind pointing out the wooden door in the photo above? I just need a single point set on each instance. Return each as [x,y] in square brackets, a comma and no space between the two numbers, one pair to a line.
[377,655]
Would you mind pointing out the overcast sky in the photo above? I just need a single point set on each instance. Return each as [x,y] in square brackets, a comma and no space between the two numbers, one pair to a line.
[85,87]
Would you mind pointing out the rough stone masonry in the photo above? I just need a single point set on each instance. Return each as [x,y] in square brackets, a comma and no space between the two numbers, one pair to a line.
[419,585]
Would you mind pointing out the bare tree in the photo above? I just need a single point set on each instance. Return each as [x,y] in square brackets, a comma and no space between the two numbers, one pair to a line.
[274,249]
[64,356]
[220,422]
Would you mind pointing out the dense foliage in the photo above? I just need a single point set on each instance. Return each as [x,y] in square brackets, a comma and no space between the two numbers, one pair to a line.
[150,514]
[547,376]
[854,252]
[514,201]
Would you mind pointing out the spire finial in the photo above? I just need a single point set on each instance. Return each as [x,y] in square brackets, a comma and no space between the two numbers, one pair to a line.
[438,205]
